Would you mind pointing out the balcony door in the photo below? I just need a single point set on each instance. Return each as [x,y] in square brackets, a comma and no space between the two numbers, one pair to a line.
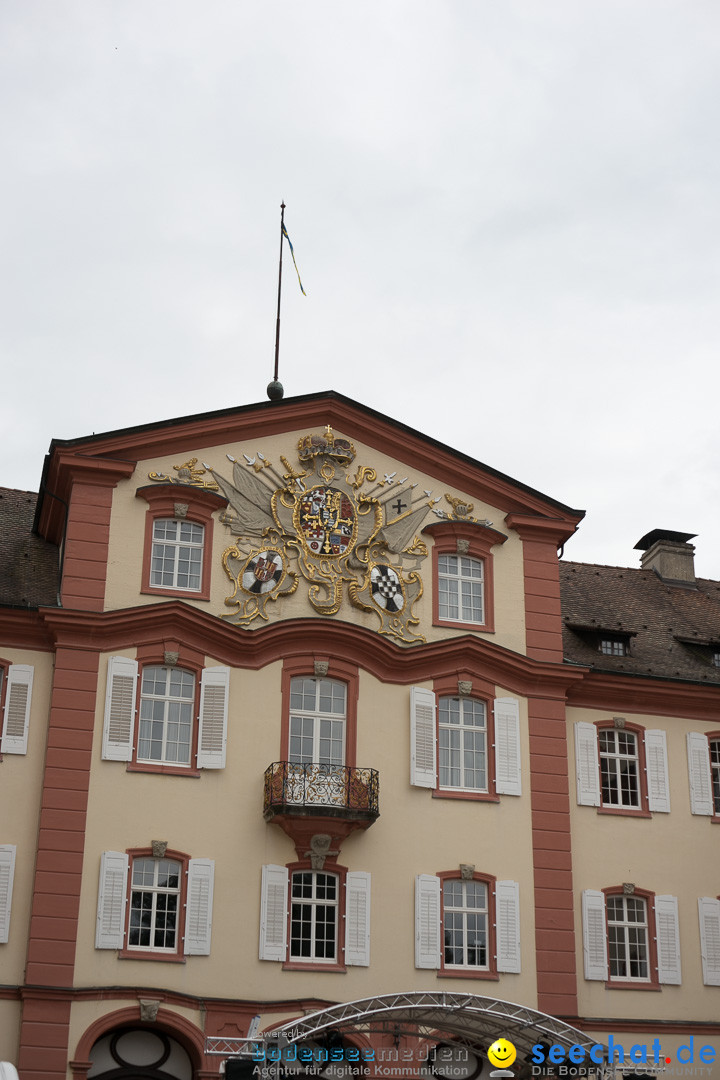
[318,710]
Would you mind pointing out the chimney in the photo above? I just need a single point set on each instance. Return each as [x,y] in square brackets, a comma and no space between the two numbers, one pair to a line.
[670,555]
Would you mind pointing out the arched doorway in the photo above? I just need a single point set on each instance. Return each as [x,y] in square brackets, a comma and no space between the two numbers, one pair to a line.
[139,1053]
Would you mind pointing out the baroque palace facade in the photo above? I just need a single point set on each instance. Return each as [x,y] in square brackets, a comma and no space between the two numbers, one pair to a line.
[301,708]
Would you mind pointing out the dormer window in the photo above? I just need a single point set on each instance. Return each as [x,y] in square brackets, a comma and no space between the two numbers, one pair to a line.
[716,659]
[613,645]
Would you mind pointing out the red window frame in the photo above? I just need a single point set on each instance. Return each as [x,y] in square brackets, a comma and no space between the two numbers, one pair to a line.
[4,665]
[452,972]
[484,692]
[652,983]
[627,811]
[177,956]
[480,542]
[340,872]
[304,667]
[188,660]
[201,504]
[712,737]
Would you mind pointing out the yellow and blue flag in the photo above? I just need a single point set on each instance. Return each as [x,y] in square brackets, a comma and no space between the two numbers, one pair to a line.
[284,232]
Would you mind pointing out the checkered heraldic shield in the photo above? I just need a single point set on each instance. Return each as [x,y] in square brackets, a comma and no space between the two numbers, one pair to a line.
[386,588]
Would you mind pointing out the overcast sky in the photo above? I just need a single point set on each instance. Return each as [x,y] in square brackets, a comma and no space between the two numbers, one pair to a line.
[505,214]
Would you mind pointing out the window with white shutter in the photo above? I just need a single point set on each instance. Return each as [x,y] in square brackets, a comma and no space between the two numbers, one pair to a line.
[151,908]
[152,717]
[619,929]
[467,925]
[621,767]
[315,917]
[458,748]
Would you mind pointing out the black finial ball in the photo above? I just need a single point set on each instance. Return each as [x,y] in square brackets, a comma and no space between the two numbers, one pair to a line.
[275,390]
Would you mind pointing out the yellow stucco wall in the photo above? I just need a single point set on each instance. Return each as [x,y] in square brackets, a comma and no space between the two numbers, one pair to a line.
[128,532]
[672,854]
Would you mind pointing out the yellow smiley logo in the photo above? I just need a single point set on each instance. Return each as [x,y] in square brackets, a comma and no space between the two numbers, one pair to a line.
[502,1053]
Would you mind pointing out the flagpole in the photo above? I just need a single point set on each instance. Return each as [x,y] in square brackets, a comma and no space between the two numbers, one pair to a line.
[275,389]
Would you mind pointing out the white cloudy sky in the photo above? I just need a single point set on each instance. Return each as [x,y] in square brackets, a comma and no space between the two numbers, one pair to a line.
[505,213]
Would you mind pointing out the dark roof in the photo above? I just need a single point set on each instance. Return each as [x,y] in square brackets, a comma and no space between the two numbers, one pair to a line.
[28,565]
[671,628]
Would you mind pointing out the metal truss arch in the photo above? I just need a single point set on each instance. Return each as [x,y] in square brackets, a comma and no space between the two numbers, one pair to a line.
[467,1019]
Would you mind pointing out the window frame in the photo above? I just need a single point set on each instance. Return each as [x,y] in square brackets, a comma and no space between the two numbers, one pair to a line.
[484,693]
[201,504]
[338,671]
[190,661]
[448,538]
[456,971]
[176,955]
[311,964]
[614,982]
[193,544]
[642,809]
[713,739]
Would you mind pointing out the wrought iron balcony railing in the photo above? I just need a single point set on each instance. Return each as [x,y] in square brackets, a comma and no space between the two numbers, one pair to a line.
[325,789]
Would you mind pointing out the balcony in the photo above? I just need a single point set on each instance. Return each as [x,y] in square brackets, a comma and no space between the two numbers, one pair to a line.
[314,791]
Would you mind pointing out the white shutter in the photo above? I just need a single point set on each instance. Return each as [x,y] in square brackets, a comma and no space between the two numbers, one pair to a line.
[427,921]
[709,912]
[212,736]
[7,874]
[698,752]
[198,914]
[357,918]
[422,737]
[18,694]
[112,899]
[507,746]
[507,925]
[594,936]
[667,928]
[119,720]
[656,763]
[273,913]
[586,764]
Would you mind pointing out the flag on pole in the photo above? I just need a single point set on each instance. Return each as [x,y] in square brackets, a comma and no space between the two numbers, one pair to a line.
[284,232]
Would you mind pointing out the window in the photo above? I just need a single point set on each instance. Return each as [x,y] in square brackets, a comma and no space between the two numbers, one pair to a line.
[317,721]
[177,555]
[716,659]
[463,573]
[155,907]
[631,937]
[167,698]
[460,589]
[619,769]
[313,916]
[622,768]
[178,539]
[467,925]
[613,646]
[167,736]
[628,946]
[715,774]
[462,744]
[450,737]
[322,902]
[154,903]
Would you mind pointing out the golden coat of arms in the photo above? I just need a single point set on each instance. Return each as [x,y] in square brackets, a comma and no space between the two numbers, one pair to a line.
[347,536]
